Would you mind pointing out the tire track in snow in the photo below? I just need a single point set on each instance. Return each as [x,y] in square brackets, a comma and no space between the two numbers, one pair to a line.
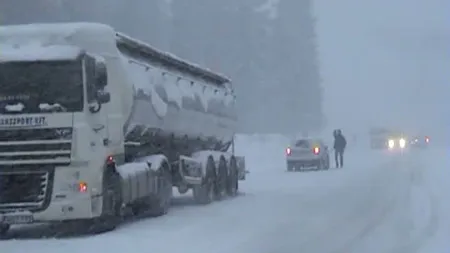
[343,226]
[372,224]
[400,216]
[400,207]
[414,244]
[374,221]
[320,212]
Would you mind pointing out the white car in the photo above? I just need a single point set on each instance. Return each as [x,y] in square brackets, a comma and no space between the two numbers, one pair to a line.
[306,154]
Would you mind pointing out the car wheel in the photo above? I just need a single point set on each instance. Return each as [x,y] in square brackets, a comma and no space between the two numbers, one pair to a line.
[290,167]
[327,162]
[320,164]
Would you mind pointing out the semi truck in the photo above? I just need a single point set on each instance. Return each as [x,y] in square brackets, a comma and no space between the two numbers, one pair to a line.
[96,125]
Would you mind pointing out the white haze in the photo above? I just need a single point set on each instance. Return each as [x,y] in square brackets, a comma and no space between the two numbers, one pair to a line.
[385,63]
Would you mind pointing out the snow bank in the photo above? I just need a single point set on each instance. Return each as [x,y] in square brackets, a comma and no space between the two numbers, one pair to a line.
[262,151]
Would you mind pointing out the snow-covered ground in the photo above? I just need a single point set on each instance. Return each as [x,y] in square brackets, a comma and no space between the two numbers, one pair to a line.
[378,203]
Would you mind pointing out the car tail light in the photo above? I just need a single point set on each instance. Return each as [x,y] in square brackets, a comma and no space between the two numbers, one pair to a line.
[427,139]
[288,151]
[316,150]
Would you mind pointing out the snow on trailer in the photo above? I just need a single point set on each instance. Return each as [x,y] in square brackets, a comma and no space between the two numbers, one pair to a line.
[170,60]
[150,121]
[37,52]
[192,93]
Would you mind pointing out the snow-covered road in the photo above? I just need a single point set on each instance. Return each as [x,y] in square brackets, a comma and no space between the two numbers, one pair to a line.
[377,203]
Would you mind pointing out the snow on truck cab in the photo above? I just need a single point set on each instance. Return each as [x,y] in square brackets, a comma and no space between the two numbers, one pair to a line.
[95,125]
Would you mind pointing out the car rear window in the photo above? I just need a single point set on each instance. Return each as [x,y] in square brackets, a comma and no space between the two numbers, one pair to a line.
[302,144]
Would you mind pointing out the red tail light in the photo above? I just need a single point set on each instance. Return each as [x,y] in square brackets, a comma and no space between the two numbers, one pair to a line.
[288,151]
[316,150]
[110,160]
[427,139]
[82,187]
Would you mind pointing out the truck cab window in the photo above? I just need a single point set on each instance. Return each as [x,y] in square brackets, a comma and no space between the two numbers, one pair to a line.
[90,79]
[302,144]
[41,86]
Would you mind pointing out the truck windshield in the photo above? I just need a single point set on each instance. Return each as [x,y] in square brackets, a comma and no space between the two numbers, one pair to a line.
[41,87]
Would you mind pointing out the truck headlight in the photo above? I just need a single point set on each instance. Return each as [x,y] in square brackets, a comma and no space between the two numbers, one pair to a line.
[402,143]
[391,144]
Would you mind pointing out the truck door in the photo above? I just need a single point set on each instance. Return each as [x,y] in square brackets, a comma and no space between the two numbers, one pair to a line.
[97,117]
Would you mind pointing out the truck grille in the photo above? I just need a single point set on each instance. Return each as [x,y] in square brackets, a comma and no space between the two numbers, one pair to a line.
[25,189]
[35,146]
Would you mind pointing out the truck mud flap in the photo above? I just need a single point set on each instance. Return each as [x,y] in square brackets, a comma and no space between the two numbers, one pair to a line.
[242,172]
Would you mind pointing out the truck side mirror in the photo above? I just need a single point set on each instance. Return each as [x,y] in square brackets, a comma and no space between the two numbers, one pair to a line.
[101,76]
[103,97]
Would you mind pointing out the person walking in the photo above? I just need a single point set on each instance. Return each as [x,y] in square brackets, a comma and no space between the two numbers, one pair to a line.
[339,146]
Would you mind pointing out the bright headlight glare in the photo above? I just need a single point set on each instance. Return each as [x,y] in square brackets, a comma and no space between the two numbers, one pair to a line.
[391,143]
[402,143]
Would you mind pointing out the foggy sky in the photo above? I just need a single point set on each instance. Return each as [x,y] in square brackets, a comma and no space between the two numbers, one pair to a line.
[385,62]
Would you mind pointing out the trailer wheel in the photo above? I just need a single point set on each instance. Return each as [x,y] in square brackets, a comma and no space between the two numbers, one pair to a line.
[232,180]
[161,204]
[222,179]
[204,193]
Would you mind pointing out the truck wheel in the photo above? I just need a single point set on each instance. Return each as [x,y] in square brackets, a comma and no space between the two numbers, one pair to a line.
[112,204]
[161,204]
[4,228]
[204,193]
[232,180]
[221,180]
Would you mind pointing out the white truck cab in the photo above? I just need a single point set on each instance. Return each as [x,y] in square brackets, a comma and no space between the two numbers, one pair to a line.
[57,119]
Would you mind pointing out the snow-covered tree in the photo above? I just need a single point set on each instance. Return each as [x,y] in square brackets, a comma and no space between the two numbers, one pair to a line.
[266,46]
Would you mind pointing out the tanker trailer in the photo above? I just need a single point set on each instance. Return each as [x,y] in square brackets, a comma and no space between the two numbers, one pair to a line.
[96,125]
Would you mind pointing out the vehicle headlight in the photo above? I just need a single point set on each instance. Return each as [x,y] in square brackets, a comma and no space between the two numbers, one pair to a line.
[402,143]
[391,143]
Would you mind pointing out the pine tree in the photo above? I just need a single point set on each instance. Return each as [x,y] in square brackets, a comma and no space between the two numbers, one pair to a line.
[299,77]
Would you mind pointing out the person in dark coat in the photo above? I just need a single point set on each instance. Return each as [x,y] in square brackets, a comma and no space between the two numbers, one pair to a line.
[339,147]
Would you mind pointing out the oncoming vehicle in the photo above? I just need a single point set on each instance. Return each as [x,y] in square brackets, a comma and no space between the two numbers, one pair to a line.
[307,153]
[397,143]
[378,137]
[420,142]
[384,138]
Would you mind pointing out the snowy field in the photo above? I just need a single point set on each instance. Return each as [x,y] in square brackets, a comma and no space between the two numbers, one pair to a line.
[379,203]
